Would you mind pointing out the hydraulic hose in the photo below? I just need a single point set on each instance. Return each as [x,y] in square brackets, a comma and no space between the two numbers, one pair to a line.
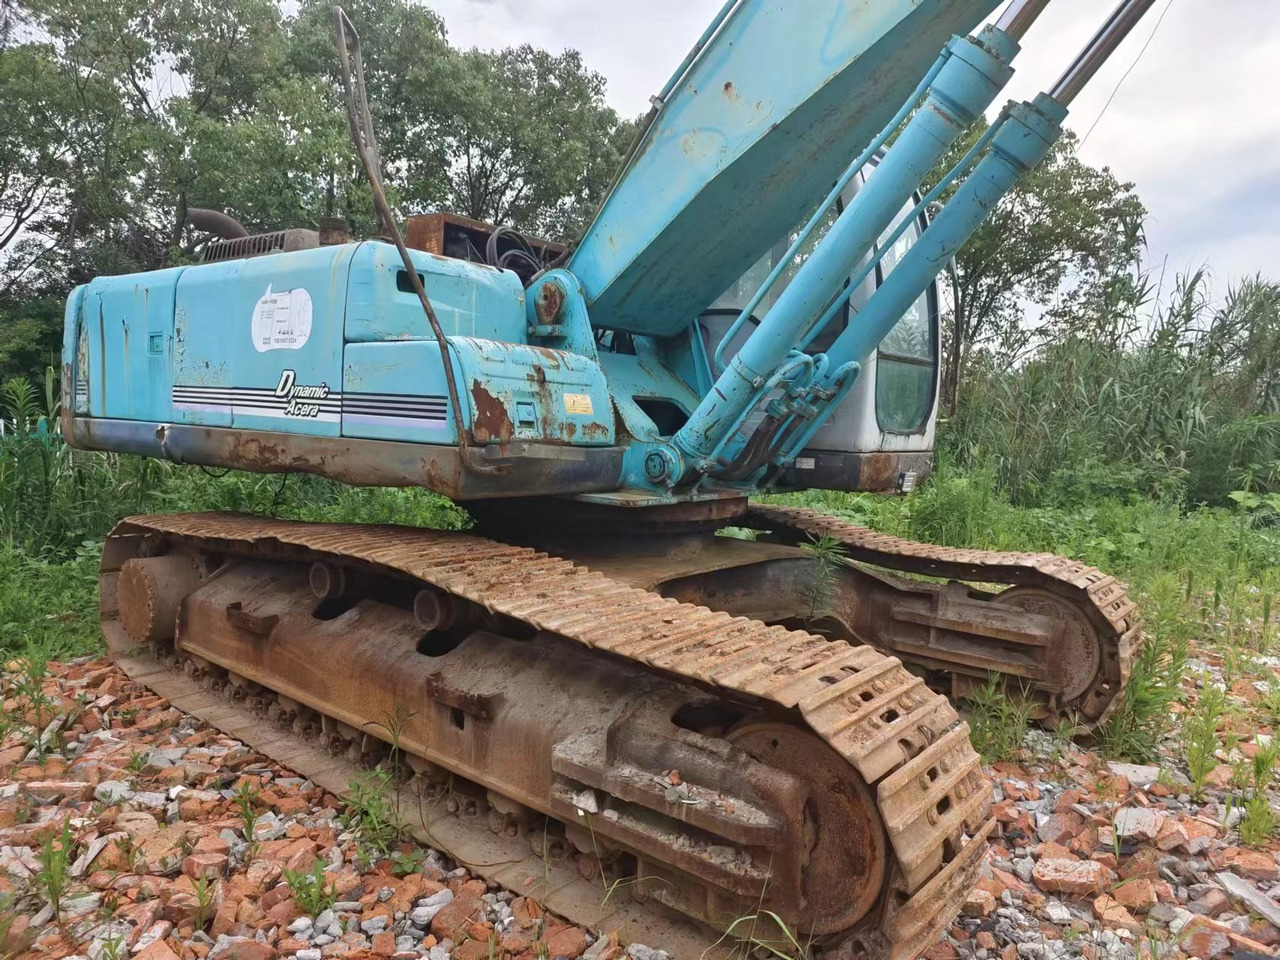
[362,136]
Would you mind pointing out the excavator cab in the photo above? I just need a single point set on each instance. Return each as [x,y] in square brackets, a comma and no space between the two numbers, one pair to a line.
[880,439]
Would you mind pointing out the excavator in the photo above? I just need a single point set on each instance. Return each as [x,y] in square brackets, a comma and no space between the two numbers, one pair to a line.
[740,725]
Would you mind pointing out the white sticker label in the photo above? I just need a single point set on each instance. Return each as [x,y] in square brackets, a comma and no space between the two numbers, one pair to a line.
[579,403]
[282,321]
[805,463]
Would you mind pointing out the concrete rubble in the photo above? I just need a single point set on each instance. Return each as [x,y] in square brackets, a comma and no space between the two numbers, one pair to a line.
[162,866]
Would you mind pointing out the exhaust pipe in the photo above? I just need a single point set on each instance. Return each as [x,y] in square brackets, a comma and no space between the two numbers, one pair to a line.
[221,225]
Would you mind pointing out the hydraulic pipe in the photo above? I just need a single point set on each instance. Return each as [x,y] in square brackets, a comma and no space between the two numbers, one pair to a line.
[966,85]
[1113,33]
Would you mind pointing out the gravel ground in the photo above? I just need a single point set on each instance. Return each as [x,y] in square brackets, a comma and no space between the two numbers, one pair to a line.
[1094,860]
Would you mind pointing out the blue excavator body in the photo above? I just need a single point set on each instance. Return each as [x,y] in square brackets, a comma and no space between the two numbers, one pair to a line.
[616,376]
[321,359]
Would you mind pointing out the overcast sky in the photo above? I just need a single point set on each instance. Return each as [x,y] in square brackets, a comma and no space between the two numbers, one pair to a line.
[1195,125]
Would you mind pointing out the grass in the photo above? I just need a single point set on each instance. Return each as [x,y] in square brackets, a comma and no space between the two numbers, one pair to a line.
[998,721]
[826,552]
[1145,716]
[313,890]
[244,797]
[404,863]
[49,604]
[206,894]
[1200,737]
[394,725]
[54,858]
[1258,825]
[371,812]
[1258,822]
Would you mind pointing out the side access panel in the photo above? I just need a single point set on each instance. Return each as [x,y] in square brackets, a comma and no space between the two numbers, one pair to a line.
[509,391]
[258,342]
[470,299]
[127,335]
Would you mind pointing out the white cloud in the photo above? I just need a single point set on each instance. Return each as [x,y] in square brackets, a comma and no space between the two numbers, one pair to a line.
[1194,125]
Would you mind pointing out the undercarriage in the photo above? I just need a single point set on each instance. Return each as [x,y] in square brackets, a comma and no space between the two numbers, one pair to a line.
[713,720]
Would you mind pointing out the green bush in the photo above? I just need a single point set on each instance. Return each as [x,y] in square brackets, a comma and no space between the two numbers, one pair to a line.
[57,504]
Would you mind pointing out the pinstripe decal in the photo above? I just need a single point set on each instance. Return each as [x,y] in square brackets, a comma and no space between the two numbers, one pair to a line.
[384,408]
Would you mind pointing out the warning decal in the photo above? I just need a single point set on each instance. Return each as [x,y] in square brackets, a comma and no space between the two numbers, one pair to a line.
[282,320]
[578,403]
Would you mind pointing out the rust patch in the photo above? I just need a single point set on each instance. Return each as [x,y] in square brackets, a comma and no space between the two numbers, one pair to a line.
[550,299]
[879,472]
[442,478]
[254,453]
[595,431]
[491,419]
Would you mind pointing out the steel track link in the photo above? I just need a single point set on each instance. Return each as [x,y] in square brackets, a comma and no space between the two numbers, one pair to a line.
[556,884]
[904,740]
[1102,598]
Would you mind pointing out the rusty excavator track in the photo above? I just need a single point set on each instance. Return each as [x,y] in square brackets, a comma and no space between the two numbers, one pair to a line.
[714,764]
[1078,675]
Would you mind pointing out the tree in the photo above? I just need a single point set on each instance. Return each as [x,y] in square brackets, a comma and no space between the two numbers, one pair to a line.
[34,157]
[412,75]
[1067,232]
[535,144]
[120,115]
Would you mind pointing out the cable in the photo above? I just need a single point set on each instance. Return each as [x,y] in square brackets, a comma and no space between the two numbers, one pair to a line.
[1132,67]
[365,143]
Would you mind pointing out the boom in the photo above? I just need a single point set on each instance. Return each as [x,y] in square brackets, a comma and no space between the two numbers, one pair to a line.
[774,101]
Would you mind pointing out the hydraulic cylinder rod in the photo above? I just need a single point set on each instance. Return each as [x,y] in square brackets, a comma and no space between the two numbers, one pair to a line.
[1029,132]
[1100,48]
[972,77]
[1019,16]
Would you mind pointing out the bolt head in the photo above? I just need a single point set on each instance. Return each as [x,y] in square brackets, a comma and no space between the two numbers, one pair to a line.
[656,466]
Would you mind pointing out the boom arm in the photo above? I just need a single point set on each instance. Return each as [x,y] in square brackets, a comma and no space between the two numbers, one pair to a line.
[776,101]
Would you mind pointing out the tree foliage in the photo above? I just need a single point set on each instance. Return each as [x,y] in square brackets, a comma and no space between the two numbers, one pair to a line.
[122,115]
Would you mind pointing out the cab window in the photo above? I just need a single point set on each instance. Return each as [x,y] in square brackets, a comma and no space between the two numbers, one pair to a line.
[907,361]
